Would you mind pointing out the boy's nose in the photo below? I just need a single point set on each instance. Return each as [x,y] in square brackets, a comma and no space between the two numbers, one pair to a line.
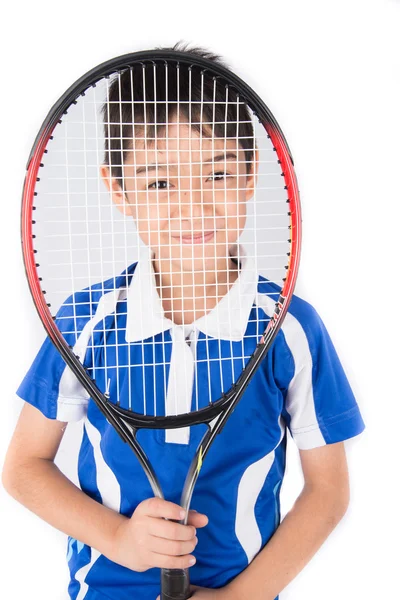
[191,203]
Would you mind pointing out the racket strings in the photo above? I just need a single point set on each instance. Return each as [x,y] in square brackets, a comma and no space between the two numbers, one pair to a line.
[201,231]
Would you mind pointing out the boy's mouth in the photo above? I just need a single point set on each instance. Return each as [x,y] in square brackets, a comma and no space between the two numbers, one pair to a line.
[195,238]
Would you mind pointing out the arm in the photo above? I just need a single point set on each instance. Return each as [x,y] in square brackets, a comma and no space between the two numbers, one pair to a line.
[316,512]
[33,479]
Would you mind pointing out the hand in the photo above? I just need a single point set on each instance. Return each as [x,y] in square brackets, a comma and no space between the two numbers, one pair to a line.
[200,593]
[148,540]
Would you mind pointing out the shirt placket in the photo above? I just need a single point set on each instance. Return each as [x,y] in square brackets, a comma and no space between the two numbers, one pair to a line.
[180,380]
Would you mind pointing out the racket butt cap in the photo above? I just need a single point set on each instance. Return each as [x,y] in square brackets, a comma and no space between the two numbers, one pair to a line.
[175,584]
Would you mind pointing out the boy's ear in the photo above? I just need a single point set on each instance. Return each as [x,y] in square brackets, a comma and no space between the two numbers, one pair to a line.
[117,194]
[251,181]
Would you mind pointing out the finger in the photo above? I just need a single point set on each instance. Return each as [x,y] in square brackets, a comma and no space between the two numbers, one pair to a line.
[162,561]
[197,519]
[170,530]
[171,547]
[157,507]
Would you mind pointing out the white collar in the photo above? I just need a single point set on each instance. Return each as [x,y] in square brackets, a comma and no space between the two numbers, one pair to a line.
[226,321]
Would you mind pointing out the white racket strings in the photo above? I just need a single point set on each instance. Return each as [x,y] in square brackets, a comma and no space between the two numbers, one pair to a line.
[162,228]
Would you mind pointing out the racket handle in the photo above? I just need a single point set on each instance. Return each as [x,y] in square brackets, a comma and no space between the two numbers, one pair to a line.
[175,584]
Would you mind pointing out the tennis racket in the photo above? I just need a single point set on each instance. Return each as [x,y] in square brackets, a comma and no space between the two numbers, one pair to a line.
[162,160]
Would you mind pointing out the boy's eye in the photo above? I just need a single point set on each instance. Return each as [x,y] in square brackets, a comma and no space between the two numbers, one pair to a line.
[219,175]
[160,185]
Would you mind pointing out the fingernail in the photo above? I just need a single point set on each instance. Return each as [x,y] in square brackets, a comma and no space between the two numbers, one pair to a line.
[192,561]
[182,514]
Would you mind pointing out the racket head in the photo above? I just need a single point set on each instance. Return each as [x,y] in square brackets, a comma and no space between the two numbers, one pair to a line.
[68,131]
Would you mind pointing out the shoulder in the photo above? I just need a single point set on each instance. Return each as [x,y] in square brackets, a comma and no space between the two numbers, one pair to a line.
[300,313]
[302,331]
[98,299]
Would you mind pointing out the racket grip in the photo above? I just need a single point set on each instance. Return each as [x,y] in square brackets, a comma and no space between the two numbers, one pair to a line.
[175,584]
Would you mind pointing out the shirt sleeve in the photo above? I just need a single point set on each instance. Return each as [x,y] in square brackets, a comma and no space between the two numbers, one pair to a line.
[50,384]
[320,407]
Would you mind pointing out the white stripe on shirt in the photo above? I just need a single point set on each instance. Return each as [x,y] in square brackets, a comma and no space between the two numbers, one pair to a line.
[300,397]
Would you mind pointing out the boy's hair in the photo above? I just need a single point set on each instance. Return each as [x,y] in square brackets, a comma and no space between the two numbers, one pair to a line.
[201,99]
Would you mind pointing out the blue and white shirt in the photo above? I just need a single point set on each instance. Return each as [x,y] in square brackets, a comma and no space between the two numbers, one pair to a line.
[300,386]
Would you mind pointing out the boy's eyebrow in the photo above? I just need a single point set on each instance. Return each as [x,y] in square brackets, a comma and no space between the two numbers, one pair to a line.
[155,166]
[223,156]
[150,167]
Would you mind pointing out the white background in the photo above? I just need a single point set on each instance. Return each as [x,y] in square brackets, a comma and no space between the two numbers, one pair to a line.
[330,74]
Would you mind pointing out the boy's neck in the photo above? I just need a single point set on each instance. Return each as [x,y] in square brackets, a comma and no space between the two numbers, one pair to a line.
[188,296]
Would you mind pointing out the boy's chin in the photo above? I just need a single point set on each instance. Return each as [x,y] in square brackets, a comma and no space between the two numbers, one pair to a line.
[195,264]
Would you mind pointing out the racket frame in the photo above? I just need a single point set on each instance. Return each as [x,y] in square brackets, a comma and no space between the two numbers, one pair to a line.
[175,582]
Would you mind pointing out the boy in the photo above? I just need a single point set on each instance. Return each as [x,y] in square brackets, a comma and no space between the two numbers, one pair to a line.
[189,262]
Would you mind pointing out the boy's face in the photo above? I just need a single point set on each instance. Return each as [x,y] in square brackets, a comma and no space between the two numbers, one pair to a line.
[187,196]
